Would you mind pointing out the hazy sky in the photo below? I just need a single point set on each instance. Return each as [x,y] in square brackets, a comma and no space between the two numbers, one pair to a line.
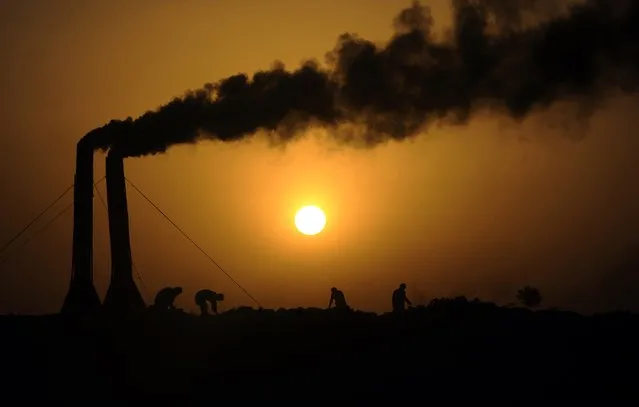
[478,210]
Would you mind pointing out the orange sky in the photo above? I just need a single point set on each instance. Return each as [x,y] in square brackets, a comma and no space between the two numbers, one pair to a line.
[479,210]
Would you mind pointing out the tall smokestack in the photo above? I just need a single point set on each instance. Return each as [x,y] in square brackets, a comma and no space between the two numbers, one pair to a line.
[82,297]
[123,296]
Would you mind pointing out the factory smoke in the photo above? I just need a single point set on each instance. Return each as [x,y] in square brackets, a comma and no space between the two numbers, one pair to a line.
[506,57]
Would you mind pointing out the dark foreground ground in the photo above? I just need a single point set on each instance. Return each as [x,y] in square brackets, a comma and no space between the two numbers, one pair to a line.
[450,352]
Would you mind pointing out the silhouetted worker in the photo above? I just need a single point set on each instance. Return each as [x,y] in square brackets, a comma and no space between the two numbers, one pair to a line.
[400,300]
[205,297]
[165,298]
[337,297]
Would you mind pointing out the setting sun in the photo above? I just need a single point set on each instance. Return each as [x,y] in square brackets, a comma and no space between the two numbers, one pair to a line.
[310,220]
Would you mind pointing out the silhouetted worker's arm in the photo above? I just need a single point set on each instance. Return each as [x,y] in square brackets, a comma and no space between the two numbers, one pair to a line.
[408,301]
[331,300]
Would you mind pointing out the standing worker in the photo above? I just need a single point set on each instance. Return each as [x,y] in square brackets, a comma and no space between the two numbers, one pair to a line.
[205,297]
[400,300]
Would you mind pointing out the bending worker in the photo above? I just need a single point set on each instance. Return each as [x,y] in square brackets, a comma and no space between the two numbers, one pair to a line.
[165,298]
[205,297]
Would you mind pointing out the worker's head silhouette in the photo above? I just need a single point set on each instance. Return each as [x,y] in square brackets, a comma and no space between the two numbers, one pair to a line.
[333,289]
[402,286]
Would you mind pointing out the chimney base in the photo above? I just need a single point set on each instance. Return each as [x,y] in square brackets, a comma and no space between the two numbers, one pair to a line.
[82,299]
[123,298]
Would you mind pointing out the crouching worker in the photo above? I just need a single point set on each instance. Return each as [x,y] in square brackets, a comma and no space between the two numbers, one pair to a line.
[205,297]
[339,299]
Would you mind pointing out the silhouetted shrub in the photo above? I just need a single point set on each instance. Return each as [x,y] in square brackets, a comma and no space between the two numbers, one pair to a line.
[529,296]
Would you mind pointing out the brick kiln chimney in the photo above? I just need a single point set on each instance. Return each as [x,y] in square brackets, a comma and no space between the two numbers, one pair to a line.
[82,297]
[123,296]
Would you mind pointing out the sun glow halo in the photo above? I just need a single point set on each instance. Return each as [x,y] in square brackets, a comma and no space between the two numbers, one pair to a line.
[310,220]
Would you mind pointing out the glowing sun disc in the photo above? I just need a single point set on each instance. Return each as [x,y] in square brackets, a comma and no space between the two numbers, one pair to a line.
[310,220]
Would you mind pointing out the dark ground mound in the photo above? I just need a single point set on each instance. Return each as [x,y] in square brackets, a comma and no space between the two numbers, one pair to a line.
[451,351]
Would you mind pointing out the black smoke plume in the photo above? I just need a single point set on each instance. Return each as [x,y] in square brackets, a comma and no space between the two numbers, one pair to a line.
[492,60]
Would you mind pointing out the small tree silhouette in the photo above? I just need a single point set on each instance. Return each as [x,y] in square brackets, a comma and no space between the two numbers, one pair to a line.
[529,296]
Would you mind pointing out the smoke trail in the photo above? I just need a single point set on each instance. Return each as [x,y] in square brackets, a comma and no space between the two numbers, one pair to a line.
[494,59]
